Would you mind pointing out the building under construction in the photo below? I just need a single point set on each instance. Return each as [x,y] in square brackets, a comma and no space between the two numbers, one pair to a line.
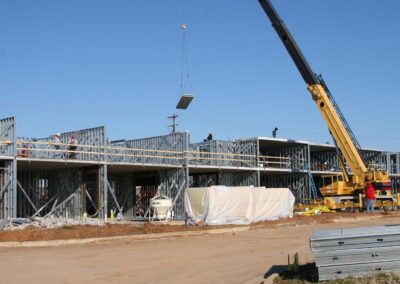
[43,178]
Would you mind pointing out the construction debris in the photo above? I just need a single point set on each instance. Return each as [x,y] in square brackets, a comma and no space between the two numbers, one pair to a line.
[47,223]
[316,210]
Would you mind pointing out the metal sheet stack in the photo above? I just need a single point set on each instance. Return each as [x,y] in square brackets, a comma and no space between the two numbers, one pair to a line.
[356,252]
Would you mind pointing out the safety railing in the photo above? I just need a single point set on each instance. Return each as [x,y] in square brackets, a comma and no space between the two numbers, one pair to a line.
[378,166]
[206,158]
[275,162]
[117,154]
[324,166]
[59,151]
[143,156]
[64,151]
[6,148]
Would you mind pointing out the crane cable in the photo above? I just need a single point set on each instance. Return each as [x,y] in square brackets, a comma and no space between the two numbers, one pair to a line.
[185,85]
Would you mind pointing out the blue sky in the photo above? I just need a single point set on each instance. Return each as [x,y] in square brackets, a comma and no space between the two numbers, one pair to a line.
[76,64]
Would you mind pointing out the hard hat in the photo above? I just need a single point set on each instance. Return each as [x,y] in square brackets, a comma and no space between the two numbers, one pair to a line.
[58,134]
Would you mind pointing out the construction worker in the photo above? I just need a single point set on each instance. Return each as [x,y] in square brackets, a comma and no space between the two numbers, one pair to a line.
[56,144]
[73,145]
[370,196]
[274,132]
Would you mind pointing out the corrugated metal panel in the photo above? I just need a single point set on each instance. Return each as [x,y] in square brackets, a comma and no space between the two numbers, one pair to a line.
[356,252]
[351,256]
[352,238]
[354,243]
[355,232]
[357,270]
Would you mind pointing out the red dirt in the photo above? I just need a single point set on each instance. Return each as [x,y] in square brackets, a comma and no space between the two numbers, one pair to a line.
[250,256]
[109,230]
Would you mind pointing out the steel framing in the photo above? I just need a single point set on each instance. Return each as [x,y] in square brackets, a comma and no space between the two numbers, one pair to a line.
[41,177]
[8,170]
[296,182]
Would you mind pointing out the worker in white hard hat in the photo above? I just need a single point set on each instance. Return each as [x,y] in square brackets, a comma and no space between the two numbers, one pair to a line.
[57,145]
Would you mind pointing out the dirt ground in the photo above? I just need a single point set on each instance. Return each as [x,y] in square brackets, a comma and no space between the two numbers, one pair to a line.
[109,230]
[234,257]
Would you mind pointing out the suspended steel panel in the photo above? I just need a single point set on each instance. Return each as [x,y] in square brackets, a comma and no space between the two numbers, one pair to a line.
[184,102]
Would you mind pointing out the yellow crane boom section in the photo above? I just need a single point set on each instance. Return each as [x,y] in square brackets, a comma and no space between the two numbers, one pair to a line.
[339,133]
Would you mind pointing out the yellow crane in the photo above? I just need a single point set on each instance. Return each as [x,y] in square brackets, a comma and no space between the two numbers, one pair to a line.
[345,190]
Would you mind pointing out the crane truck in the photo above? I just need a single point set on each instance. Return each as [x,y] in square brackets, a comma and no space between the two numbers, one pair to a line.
[343,190]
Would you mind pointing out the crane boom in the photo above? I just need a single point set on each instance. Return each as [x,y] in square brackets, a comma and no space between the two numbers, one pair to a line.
[290,44]
[335,121]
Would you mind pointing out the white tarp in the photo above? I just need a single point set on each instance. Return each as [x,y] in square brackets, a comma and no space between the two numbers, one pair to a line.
[218,205]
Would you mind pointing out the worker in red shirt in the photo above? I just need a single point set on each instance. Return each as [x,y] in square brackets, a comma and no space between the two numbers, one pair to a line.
[370,196]
[72,146]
